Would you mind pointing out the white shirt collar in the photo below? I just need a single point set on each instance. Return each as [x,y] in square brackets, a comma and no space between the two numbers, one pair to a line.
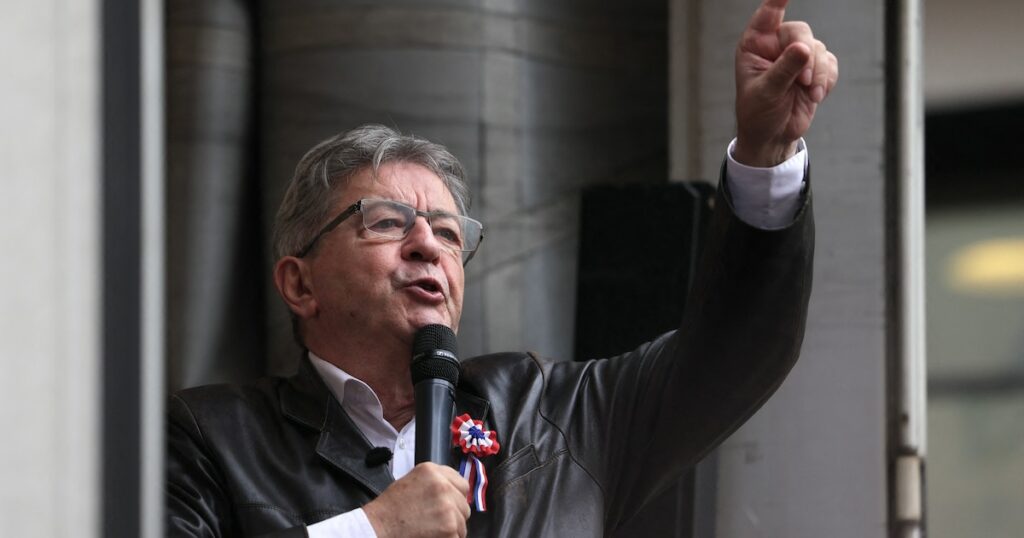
[355,396]
[363,406]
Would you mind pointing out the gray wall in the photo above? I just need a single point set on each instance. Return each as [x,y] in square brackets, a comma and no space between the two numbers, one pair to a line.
[812,462]
[50,307]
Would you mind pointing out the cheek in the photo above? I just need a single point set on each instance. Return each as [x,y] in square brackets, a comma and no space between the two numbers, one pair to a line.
[354,288]
[458,289]
[456,279]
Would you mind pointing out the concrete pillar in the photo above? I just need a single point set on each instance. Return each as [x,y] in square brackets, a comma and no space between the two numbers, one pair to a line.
[50,292]
[214,253]
[813,461]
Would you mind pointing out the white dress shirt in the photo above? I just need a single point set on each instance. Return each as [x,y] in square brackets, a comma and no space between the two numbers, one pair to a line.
[364,408]
[767,198]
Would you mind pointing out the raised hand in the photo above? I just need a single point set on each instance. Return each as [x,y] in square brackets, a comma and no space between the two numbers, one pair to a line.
[782,74]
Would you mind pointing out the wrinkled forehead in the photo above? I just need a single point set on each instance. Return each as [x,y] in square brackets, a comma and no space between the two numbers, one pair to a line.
[410,183]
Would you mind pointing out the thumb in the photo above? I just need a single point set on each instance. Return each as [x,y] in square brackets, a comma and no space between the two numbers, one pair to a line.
[787,68]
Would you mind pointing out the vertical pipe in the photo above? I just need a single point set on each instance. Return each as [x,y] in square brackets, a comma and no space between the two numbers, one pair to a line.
[121,244]
[906,112]
[153,263]
[912,230]
[684,91]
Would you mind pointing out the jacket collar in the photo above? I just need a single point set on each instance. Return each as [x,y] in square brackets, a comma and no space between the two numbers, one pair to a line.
[306,400]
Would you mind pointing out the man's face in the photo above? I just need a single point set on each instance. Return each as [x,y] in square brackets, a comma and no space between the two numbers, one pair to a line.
[388,288]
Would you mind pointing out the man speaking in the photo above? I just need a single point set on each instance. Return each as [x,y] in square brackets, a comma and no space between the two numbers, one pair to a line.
[372,238]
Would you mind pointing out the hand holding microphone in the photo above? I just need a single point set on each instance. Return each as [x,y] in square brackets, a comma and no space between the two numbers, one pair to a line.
[430,501]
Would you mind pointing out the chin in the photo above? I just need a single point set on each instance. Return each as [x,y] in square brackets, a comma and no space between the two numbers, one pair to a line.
[421,321]
[417,318]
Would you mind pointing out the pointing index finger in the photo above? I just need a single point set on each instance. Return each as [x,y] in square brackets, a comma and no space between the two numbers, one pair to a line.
[769,16]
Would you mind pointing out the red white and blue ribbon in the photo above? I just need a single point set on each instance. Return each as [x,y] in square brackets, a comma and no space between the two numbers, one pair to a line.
[472,469]
[476,442]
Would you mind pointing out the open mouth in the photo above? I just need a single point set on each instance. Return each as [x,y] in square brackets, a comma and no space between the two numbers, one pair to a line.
[428,285]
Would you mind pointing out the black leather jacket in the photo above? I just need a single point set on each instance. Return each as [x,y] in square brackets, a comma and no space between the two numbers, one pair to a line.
[583,444]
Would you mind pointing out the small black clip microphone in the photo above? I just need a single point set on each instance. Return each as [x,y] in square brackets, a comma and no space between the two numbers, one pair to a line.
[378,455]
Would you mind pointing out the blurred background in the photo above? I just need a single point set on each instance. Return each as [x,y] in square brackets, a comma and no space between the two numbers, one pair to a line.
[146,146]
[974,90]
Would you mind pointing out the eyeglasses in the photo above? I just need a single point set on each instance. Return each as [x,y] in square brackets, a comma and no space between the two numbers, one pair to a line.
[394,220]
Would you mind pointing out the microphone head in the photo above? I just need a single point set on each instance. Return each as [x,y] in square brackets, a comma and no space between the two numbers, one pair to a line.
[431,337]
[434,354]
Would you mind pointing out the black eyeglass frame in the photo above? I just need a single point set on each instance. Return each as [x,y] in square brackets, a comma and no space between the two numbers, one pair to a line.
[358,206]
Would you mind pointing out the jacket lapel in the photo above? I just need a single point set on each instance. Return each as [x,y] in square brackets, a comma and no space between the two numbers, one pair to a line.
[472,405]
[341,444]
[306,400]
[477,408]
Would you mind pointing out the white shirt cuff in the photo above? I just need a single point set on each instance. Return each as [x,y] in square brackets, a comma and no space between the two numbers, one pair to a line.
[767,198]
[353,524]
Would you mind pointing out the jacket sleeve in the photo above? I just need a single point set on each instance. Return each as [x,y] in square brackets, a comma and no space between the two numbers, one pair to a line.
[655,411]
[197,505]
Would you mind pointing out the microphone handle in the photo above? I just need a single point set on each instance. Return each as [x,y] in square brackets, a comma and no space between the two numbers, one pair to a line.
[435,408]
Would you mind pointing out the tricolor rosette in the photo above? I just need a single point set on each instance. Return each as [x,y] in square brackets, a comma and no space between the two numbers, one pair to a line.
[475,442]
[469,435]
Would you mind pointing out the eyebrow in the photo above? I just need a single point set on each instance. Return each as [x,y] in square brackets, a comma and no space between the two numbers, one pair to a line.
[431,212]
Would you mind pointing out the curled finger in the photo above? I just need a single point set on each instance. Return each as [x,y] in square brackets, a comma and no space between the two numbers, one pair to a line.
[825,72]
[457,481]
[799,32]
[833,73]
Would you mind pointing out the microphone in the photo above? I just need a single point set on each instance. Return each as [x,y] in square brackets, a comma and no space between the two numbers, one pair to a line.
[378,455]
[435,373]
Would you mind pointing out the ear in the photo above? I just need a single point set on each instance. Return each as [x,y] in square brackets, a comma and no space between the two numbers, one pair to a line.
[294,284]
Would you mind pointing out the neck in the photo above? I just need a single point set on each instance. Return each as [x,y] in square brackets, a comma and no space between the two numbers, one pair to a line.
[385,370]
[393,388]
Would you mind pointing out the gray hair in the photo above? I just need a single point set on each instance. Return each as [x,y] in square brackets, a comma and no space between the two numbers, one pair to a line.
[314,188]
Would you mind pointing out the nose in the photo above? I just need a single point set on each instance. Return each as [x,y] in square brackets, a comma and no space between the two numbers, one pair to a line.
[420,243]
